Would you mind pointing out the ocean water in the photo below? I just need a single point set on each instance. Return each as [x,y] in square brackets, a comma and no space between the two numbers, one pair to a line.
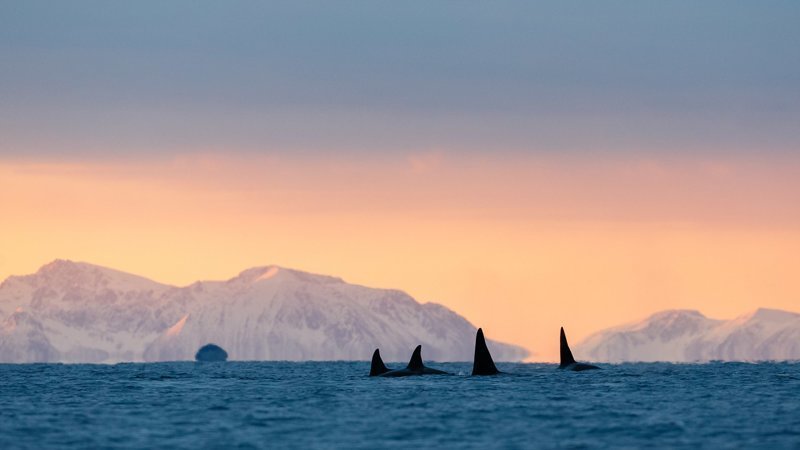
[335,405]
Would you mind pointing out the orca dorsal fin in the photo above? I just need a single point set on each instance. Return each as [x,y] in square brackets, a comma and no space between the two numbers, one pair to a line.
[377,367]
[566,353]
[416,359]
[483,363]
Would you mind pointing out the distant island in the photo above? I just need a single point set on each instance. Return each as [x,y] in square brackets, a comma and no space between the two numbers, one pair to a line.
[77,312]
[689,336]
[211,353]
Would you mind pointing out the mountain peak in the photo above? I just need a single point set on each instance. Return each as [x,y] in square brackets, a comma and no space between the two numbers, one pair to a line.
[273,272]
[66,274]
[61,265]
[255,274]
[69,268]
[673,318]
[61,271]
[771,315]
[672,314]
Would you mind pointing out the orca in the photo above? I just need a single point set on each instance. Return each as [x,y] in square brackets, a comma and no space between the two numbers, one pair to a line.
[378,367]
[568,361]
[415,367]
[482,363]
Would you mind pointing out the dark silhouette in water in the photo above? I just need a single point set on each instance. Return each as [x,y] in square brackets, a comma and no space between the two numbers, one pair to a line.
[483,363]
[415,367]
[377,367]
[211,353]
[567,360]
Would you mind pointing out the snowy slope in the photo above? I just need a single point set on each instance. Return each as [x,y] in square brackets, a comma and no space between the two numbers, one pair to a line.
[78,312]
[687,336]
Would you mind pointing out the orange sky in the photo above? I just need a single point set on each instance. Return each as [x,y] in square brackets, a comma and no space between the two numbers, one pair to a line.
[519,245]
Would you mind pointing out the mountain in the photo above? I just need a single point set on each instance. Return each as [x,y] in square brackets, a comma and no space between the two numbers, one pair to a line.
[78,312]
[688,336]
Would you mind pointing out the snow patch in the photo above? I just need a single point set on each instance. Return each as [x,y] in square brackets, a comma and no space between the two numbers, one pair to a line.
[176,329]
[271,272]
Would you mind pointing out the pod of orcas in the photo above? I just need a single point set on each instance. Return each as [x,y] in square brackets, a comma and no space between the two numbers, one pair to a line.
[482,363]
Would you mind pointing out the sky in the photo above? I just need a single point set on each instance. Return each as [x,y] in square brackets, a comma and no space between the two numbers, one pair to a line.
[527,164]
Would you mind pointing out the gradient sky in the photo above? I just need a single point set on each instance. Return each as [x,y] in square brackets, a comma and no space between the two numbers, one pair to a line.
[527,164]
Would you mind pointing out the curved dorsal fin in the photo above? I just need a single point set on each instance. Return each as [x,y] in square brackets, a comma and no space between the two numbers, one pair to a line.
[483,363]
[416,359]
[566,353]
[377,367]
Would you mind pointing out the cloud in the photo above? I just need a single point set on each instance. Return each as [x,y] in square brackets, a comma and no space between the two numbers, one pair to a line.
[529,77]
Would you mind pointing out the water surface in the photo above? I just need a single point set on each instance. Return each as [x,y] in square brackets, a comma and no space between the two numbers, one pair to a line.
[335,405]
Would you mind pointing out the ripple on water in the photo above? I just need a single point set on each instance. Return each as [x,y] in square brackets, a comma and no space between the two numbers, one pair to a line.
[307,405]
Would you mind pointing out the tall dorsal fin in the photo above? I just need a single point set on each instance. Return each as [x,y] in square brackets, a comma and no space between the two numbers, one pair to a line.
[483,363]
[377,367]
[566,353]
[416,359]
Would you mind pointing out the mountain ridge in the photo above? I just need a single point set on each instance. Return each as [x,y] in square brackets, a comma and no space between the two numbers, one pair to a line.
[764,334]
[81,312]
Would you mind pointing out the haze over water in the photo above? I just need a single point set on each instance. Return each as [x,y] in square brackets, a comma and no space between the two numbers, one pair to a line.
[335,405]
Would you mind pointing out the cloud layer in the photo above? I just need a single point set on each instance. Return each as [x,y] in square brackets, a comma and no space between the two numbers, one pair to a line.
[92,77]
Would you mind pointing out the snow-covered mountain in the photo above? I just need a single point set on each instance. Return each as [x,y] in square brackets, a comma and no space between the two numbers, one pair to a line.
[688,336]
[78,312]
